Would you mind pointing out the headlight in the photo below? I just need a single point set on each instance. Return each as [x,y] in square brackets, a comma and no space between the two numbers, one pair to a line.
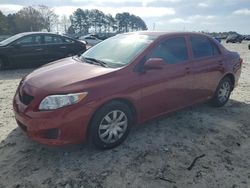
[52,102]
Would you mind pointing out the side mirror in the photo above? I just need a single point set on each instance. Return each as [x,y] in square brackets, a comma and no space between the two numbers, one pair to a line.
[154,63]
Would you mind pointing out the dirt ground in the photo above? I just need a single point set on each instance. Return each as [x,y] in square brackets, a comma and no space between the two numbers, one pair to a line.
[156,154]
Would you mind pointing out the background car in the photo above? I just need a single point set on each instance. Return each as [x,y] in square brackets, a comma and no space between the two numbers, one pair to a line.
[37,48]
[247,37]
[91,40]
[218,39]
[234,38]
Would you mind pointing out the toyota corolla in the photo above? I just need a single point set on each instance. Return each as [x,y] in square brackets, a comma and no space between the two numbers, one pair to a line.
[122,81]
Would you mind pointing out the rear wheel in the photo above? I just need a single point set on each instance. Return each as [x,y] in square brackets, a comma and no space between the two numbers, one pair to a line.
[222,92]
[110,125]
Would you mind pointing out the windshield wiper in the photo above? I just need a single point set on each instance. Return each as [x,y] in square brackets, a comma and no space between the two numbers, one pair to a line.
[95,61]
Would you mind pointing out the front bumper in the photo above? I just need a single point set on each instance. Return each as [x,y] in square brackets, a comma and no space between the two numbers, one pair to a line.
[63,126]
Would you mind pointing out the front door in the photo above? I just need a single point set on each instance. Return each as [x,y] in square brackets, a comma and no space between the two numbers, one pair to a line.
[170,87]
[27,51]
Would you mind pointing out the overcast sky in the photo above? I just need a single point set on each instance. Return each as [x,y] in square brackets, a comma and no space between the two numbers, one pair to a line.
[166,15]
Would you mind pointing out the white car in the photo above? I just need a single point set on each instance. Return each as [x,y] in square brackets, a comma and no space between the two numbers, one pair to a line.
[91,40]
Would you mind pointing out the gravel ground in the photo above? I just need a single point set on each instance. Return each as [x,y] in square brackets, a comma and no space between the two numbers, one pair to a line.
[156,154]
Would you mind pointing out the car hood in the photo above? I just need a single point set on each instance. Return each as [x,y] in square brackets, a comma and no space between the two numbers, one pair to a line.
[59,75]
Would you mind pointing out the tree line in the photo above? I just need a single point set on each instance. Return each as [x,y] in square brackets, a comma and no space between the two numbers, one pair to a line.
[84,20]
[43,18]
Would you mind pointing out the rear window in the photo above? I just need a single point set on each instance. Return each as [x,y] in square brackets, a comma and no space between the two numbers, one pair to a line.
[203,47]
[67,40]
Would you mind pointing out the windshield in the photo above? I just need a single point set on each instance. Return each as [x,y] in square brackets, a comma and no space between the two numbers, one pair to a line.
[10,39]
[120,50]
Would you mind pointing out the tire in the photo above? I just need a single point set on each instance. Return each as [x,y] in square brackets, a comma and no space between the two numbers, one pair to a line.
[105,133]
[222,92]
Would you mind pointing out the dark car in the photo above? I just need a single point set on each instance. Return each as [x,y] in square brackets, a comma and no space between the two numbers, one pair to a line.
[218,39]
[234,38]
[37,48]
[247,37]
[123,81]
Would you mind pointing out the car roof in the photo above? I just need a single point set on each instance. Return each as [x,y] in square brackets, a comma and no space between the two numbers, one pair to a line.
[38,32]
[165,34]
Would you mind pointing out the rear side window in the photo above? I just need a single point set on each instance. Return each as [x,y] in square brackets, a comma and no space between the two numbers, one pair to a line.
[203,47]
[172,51]
[49,39]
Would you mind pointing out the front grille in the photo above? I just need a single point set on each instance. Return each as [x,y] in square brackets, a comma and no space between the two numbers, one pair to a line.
[25,98]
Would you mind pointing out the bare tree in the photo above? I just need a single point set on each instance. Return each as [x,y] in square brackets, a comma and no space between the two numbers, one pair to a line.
[28,19]
[65,23]
[50,19]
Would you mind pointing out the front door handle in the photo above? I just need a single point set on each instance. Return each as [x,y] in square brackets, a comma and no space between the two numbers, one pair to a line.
[39,49]
[62,47]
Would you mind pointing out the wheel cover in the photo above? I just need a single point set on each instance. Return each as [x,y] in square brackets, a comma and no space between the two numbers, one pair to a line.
[113,126]
[224,92]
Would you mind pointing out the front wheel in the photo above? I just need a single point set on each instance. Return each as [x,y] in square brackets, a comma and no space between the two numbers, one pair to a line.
[110,125]
[222,92]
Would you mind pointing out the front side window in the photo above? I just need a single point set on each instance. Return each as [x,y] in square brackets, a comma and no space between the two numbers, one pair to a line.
[172,51]
[30,40]
[203,47]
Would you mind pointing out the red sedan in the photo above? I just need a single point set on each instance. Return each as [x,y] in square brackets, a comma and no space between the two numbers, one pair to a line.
[122,81]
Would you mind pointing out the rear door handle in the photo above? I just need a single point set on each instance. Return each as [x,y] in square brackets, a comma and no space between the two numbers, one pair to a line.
[62,47]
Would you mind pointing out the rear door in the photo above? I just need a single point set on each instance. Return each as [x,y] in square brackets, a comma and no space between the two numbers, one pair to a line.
[170,87]
[72,47]
[55,47]
[27,51]
[207,67]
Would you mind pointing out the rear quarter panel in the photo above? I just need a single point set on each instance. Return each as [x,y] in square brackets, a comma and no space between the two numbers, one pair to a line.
[233,65]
